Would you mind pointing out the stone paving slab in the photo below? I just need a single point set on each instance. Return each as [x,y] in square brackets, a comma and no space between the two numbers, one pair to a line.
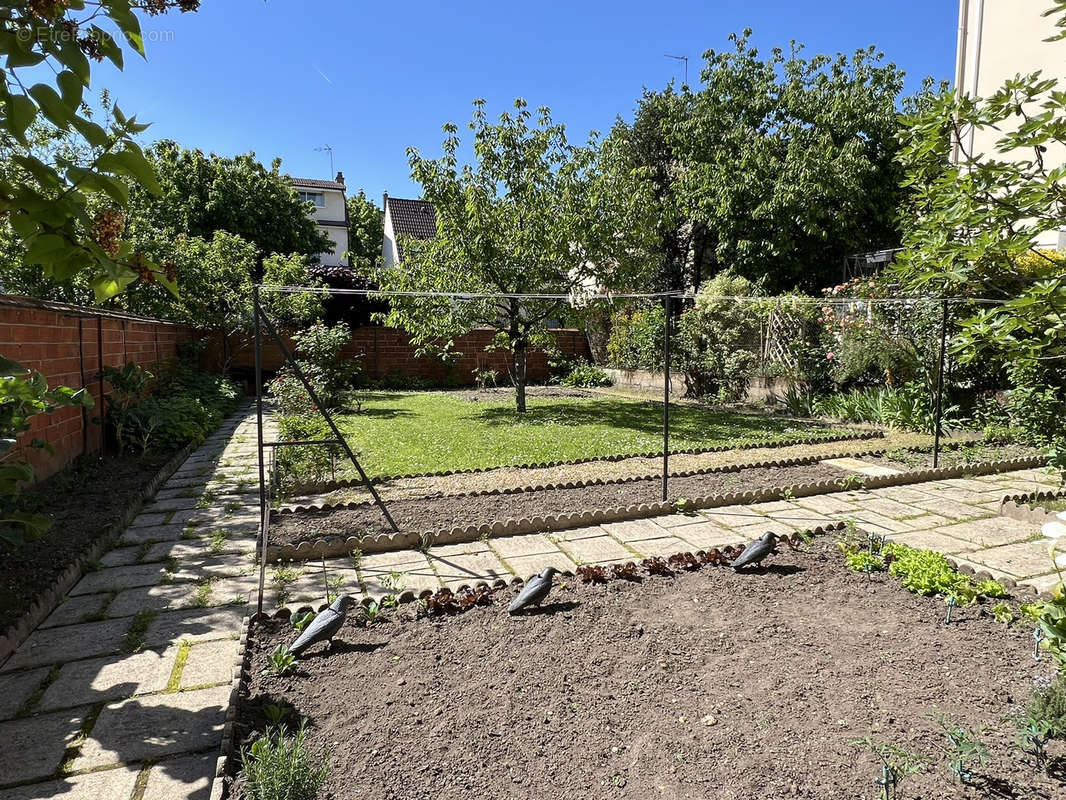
[679,520]
[34,746]
[733,516]
[708,535]
[155,726]
[663,547]
[77,609]
[97,679]
[933,540]
[827,504]
[158,533]
[58,645]
[595,550]
[171,596]
[860,466]
[209,664]
[991,532]
[951,508]
[184,778]
[634,530]
[115,579]
[469,568]
[510,547]
[17,688]
[756,530]
[121,557]
[195,625]
[1024,559]
[526,567]
[111,784]
[202,547]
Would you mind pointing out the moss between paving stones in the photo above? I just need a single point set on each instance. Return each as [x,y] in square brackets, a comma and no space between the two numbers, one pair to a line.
[406,540]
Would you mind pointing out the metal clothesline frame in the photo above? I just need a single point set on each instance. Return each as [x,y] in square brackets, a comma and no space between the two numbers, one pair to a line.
[262,319]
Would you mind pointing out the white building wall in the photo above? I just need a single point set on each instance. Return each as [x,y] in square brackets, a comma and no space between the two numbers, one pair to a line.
[997,40]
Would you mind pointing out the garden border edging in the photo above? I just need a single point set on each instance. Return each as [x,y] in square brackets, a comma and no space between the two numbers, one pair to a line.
[1021,507]
[330,486]
[47,601]
[241,663]
[406,540]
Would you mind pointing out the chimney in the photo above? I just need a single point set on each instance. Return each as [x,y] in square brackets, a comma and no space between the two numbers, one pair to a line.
[340,178]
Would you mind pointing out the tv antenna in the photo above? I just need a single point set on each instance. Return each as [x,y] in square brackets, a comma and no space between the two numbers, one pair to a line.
[327,149]
[683,59]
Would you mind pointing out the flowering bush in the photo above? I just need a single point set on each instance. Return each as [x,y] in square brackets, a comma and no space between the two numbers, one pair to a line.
[319,354]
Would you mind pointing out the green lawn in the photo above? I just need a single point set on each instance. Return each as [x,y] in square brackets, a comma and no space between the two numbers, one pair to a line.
[400,433]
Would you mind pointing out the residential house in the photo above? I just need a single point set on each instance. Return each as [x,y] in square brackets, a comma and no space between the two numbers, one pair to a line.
[331,214]
[997,40]
[405,218]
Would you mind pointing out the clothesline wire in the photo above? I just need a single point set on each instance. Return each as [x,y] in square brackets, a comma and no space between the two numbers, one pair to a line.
[582,297]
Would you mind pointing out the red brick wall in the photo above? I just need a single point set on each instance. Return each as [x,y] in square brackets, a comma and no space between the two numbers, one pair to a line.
[68,344]
[388,351]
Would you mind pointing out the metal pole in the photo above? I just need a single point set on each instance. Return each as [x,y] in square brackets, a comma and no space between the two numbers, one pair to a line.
[273,331]
[937,423]
[259,435]
[666,399]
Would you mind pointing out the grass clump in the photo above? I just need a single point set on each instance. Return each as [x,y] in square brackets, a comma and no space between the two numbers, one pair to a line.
[281,767]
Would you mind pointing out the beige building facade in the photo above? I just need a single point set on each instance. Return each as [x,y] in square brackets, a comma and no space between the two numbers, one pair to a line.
[997,40]
[330,213]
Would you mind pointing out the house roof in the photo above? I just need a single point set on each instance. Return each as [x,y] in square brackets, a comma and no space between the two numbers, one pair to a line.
[314,183]
[415,218]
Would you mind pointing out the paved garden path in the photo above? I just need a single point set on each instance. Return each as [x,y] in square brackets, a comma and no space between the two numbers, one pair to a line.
[958,517]
[122,692]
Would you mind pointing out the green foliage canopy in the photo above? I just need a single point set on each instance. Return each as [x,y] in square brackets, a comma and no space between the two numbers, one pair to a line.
[534,215]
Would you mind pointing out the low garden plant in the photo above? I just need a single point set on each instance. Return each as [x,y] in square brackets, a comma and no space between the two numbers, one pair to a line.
[280,766]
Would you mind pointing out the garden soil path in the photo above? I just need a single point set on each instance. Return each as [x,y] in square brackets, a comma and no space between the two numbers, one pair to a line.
[958,517]
[516,477]
[123,691]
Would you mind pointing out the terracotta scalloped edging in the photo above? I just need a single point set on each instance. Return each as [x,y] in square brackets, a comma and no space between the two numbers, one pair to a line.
[386,542]
[803,461]
[1021,507]
[226,750]
[329,486]
[46,602]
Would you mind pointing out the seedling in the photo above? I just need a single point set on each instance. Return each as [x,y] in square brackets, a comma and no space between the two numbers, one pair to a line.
[684,506]
[276,714]
[896,764]
[301,621]
[280,662]
[965,749]
[1003,613]
[218,542]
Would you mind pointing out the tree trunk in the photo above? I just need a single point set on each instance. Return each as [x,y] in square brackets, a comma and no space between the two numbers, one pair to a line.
[520,377]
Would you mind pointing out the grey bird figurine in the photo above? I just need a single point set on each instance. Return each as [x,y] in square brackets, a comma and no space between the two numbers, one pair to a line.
[534,592]
[756,551]
[324,626]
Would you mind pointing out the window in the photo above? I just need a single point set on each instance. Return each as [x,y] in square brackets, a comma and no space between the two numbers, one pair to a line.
[318,198]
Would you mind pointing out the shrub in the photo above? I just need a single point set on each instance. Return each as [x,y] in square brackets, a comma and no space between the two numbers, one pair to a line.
[586,376]
[636,340]
[719,339]
[306,463]
[280,767]
[318,352]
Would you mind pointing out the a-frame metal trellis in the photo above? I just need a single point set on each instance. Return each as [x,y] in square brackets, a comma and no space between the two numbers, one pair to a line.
[262,319]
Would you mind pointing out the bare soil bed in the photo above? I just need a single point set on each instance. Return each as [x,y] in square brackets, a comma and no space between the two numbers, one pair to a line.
[708,684]
[83,501]
[952,456]
[436,513]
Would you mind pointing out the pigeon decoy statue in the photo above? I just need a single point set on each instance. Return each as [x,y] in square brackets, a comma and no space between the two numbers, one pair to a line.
[324,626]
[756,551]
[534,592]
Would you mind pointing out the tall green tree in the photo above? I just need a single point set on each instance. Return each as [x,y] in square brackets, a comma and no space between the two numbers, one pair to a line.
[366,228]
[787,162]
[645,147]
[533,214]
[200,194]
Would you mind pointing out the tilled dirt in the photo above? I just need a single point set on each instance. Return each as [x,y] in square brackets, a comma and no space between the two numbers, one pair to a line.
[705,685]
[436,513]
[83,501]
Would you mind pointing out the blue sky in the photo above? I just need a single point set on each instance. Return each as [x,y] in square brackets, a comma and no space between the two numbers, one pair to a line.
[282,77]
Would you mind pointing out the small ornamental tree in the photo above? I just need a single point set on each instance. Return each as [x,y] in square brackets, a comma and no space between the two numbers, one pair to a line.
[533,214]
